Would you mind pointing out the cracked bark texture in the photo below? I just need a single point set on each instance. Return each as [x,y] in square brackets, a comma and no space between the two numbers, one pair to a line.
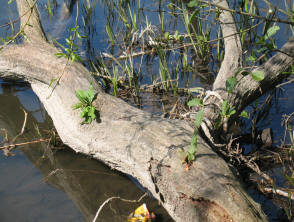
[132,141]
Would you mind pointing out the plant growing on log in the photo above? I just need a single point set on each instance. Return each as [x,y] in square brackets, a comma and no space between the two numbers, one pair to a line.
[88,111]
[191,153]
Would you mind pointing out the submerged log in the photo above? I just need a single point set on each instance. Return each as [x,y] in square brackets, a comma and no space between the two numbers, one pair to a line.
[137,143]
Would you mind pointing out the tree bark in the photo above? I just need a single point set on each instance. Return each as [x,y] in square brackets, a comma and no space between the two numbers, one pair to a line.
[132,141]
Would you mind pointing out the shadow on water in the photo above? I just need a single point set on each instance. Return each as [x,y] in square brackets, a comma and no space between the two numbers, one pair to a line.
[82,183]
[44,184]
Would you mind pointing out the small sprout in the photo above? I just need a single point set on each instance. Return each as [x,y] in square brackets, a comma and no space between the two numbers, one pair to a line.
[244,114]
[88,111]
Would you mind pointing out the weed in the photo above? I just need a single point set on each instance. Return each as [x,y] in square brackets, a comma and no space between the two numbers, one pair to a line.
[88,111]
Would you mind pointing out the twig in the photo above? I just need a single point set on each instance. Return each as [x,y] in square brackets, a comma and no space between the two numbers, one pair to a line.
[22,144]
[111,198]
[22,27]
[278,192]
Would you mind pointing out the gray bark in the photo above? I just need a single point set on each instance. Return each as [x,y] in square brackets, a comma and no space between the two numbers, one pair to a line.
[132,141]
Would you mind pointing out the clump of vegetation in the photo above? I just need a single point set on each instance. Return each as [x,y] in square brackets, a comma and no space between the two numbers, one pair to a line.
[88,111]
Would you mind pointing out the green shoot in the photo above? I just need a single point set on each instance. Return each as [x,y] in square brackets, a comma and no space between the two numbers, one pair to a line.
[88,111]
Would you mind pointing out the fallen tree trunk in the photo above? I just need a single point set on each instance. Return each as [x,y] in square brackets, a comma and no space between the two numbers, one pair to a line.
[132,141]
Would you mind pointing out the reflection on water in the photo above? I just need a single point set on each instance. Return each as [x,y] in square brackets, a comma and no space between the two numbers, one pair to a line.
[44,184]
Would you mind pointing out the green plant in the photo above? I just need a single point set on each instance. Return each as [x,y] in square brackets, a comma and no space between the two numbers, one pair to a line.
[191,153]
[88,111]
[71,51]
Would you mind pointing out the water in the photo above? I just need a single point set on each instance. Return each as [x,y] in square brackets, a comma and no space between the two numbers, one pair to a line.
[40,184]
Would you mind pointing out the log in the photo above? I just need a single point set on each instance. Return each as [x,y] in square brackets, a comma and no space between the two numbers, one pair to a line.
[137,143]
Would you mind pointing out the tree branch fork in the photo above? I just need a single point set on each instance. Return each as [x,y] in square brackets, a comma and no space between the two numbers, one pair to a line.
[138,143]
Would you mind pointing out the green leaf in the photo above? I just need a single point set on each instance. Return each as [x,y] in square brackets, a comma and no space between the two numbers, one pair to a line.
[166,35]
[191,153]
[82,96]
[251,59]
[194,102]
[60,54]
[225,108]
[199,118]
[232,111]
[85,111]
[77,106]
[230,84]
[52,81]
[261,49]
[193,3]
[271,31]
[194,14]
[244,114]
[258,75]
[10,1]
[91,112]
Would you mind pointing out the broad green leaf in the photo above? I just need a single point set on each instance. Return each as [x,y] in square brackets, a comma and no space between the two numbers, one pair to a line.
[251,59]
[271,31]
[258,75]
[91,112]
[199,118]
[82,96]
[85,111]
[194,102]
[232,111]
[191,153]
[230,84]
[166,35]
[193,3]
[10,1]
[244,114]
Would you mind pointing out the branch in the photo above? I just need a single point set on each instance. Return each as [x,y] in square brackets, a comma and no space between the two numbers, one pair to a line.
[233,48]
[30,21]
[226,8]
[247,89]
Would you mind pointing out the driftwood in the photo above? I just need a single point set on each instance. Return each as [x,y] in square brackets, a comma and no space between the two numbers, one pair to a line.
[137,143]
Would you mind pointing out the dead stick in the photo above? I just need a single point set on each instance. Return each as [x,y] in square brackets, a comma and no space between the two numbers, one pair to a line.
[111,198]
[278,192]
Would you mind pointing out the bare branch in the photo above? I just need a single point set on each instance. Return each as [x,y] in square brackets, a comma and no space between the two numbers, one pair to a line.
[33,28]
[233,48]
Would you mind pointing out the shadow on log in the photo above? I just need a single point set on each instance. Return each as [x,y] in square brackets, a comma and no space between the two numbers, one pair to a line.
[130,140]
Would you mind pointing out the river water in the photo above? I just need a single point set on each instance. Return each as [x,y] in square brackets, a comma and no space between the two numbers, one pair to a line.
[41,184]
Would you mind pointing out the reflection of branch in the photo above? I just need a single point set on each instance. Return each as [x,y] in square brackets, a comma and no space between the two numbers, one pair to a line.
[76,171]
[11,146]
[26,23]
[16,20]
[111,198]
[23,127]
